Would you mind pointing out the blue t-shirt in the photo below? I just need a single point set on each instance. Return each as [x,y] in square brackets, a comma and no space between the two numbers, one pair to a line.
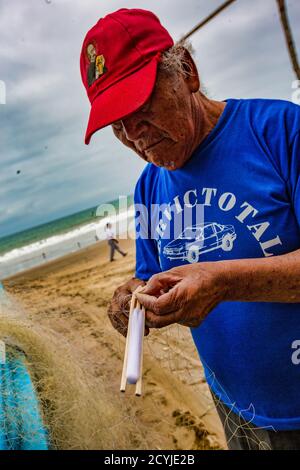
[245,175]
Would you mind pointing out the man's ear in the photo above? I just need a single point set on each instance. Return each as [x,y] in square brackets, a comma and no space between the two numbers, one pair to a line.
[192,76]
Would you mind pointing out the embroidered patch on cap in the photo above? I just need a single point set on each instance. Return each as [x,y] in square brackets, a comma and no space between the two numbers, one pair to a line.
[96,64]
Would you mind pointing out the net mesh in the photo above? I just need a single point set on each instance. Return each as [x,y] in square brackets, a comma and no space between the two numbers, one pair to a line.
[58,318]
[75,409]
[21,426]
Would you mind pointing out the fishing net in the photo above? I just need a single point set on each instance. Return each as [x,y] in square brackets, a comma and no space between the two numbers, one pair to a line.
[73,411]
[75,358]
[21,425]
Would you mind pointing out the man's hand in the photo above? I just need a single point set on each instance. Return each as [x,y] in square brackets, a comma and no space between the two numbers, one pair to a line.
[118,310]
[185,295]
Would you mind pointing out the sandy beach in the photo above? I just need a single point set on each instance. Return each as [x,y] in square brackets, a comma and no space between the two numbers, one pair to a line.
[68,298]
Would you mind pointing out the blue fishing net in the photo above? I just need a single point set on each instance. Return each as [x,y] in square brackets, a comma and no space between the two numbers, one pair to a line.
[21,424]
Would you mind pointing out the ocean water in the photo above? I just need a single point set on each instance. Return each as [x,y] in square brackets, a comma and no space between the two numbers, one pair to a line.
[43,243]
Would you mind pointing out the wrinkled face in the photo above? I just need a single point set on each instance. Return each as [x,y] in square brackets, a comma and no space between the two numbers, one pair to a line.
[162,131]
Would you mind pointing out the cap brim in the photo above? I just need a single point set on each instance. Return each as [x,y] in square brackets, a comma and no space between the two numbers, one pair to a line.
[122,98]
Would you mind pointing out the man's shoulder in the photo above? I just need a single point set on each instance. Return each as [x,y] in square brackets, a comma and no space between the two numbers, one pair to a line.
[149,171]
[269,103]
[273,113]
[274,124]
[146,182]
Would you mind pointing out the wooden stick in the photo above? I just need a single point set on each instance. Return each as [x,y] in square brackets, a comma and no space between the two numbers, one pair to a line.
[288,36]
[132,307]
[138,388]
[208,19]
[123,379]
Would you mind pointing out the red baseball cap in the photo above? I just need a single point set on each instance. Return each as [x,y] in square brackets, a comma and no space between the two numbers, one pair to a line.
[118,64]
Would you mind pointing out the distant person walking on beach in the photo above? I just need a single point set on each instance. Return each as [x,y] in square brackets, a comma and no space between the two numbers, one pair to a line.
[231,270]
[112,242]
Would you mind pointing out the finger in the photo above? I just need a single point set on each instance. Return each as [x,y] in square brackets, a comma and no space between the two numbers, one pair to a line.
[135,283]
[122,303]
[153,286]
[166,303]
[160,321]
[127,295]
[148,301]
[122,295]
[159,283]
[120,323]
[118,309]
[147,330]
[117,318]
[190,323]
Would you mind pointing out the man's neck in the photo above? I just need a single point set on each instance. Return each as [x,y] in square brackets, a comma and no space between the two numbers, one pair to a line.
[206,115]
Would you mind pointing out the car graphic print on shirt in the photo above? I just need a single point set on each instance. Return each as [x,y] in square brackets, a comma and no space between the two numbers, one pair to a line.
[198,239]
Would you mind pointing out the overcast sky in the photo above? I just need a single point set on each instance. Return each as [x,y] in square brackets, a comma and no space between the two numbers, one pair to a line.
[240,54]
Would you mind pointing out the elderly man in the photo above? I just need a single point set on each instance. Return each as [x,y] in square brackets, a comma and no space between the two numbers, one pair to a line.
[234,276]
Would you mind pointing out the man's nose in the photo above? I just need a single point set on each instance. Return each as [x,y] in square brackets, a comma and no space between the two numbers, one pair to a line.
[133,127]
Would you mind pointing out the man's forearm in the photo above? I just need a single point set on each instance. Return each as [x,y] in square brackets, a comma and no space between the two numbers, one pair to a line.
[275,279]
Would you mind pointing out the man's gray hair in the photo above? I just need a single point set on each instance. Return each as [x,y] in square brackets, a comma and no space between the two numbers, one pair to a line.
[173,60]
